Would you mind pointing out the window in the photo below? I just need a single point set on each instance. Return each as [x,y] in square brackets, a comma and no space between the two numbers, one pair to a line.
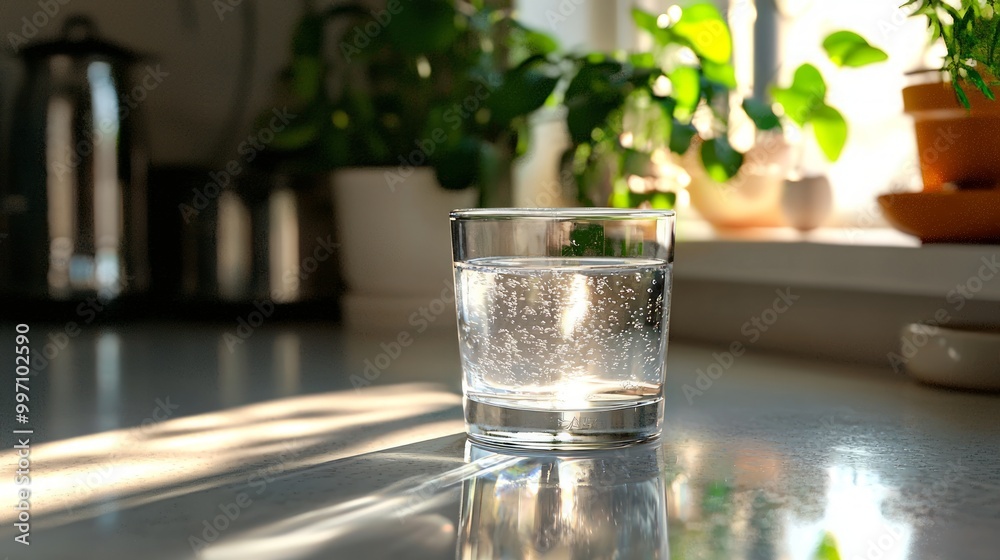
[880,154]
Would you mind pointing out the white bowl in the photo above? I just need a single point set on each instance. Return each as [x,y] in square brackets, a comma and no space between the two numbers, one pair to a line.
[961,357]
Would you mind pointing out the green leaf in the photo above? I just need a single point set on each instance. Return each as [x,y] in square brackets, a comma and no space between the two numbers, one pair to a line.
[585,114]
[641,77]
[457,167]
[686,88]
[334,147]
[598,89]
[602,78]
[307,77]
[668,104]
[662,200]
[761,114]
[657,199]
[977,80]
[295,137]
[585,240]
[807,79]
[523,90]
[313,120]
[965,26]
[723,73]
[830,130]
[795,104]
[430,27]
[537,41]
[847,48]
[960,93]
[721,161]
[534,41]
[645,21]
[955,16]
[808,91]
[644,60]
[489,173]
[827,549]
[993,43]
[680,136]
[308,37]
[705,31]
[621,196]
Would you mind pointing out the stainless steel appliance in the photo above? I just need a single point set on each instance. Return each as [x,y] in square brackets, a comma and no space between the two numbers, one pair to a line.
[74,206]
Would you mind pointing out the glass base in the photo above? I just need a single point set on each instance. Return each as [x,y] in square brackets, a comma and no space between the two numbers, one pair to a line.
[593,428]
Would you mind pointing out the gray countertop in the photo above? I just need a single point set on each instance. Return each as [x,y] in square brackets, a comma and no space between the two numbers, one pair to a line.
[174,441]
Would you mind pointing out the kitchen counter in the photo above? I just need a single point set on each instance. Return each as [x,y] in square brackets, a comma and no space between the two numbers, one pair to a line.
[301,441]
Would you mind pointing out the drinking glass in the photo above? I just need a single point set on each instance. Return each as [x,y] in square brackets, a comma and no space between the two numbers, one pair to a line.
[563,319]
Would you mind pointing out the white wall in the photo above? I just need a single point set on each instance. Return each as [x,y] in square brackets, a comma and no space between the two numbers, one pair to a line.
[587,24]
[577,24]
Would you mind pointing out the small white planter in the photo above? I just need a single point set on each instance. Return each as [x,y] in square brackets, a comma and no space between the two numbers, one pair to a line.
[395,246]
[807,202]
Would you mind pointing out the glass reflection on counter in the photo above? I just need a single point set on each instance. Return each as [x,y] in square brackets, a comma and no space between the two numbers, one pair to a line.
[744,502]
[609,504]
[853,522]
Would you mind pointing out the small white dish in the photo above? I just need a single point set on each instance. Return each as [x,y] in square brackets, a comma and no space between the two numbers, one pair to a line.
[960,357]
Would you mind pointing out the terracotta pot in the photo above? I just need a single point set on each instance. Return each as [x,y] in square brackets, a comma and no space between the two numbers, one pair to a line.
[971,216]
[955,145]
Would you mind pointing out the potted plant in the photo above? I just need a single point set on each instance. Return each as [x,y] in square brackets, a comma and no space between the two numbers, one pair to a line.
[419,113]
[807,198]
[955,119]
[954,115]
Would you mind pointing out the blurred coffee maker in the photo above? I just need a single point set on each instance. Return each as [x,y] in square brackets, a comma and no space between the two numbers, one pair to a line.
[74,204]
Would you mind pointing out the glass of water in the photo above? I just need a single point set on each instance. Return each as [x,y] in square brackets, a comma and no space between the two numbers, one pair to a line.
[563,317]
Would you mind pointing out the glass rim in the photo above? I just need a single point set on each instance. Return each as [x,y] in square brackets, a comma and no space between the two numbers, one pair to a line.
[560,214]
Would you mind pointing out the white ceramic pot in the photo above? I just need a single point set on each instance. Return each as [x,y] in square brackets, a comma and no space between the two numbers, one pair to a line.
[807,202]
[966,358]
[537,174]
[395,245]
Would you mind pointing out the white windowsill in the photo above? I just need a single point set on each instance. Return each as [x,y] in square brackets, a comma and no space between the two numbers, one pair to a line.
[872,260]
